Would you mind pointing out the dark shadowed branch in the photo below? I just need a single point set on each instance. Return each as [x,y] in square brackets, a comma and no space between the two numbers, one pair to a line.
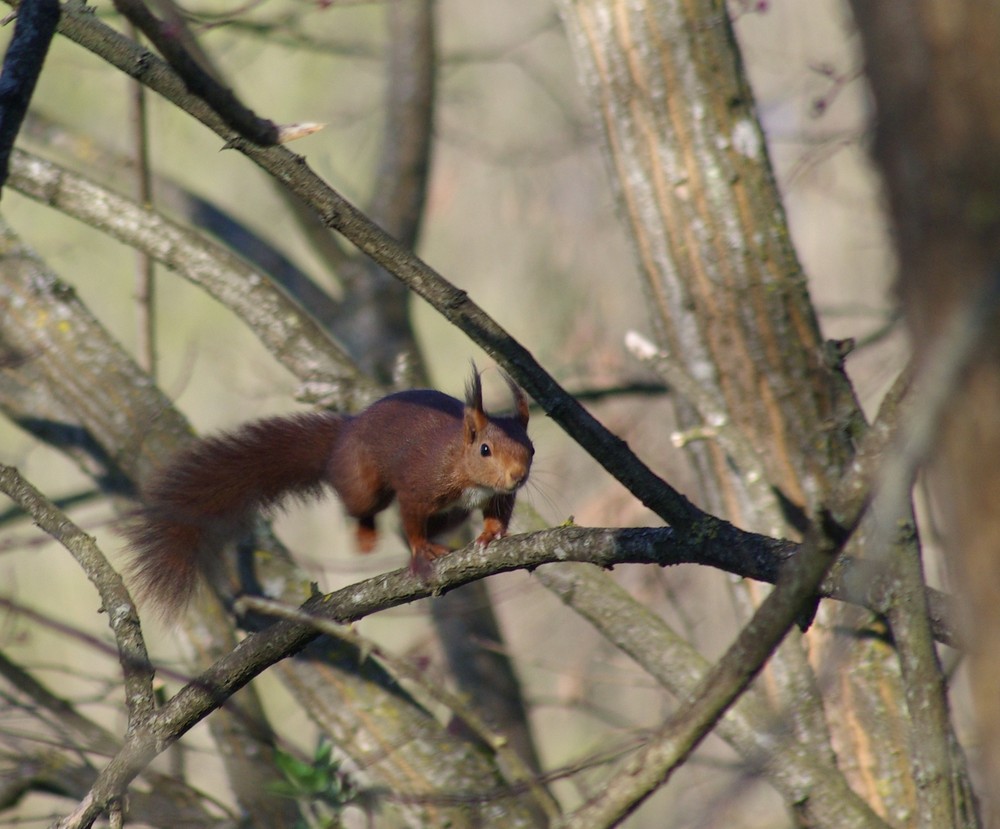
[22,64]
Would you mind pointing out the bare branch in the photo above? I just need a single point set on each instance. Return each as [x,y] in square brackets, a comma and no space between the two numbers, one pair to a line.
[170,40]
[295,339]
[116,602]
[195,210]
[22,64]
[145,276]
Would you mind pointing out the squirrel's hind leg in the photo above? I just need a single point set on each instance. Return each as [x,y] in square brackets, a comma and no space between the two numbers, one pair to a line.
[366,534]
[422,549]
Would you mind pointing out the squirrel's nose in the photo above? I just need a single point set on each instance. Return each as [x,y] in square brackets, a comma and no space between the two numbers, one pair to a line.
[516,476]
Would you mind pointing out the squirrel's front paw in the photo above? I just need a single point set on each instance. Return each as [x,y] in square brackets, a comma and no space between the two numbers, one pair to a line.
[487,536]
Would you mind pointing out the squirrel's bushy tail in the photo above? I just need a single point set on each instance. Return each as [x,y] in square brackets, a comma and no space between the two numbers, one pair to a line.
[208,495]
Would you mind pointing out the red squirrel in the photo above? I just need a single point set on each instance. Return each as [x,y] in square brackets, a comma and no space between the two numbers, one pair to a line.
[424,448]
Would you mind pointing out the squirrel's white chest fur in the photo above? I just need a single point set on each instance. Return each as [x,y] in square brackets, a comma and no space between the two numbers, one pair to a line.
[475,497]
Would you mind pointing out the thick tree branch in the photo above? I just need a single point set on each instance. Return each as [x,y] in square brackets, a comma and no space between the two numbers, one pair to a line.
[932,750]
[938,768]
[762,413]
[935,77]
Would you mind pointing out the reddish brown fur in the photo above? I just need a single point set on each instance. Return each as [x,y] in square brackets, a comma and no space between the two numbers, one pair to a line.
[422,447]
[208,495]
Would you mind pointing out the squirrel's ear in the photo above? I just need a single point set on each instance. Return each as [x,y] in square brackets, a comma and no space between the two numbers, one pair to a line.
[520,399]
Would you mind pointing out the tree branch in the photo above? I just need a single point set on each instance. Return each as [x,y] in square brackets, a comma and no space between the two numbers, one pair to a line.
[170,40]
[289,333]
[22,64]
[194,210]
[115,599]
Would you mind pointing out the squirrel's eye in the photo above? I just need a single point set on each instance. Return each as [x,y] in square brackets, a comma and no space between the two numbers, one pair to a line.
[485,450]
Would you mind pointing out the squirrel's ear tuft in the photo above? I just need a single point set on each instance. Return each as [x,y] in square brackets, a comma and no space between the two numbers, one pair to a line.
[520,398]
[475,419]
[474,391]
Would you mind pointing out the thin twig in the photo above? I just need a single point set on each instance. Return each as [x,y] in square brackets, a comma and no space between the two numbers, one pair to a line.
[145,280]
[894,539]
